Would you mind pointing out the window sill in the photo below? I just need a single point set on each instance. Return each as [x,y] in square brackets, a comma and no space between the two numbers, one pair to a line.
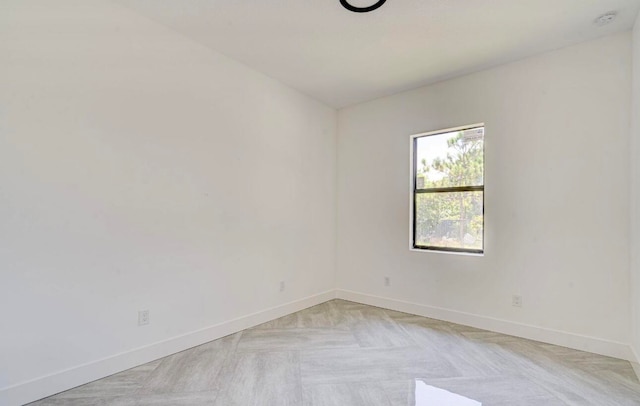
[468,254]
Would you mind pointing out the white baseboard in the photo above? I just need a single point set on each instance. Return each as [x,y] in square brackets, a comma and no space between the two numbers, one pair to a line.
[60,381]
[561,338]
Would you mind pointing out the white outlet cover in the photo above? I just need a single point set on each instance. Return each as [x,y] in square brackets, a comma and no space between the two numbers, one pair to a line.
[143,317]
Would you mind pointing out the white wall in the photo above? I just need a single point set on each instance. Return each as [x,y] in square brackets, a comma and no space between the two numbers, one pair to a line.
[139,170]
[635,189]
[557,173]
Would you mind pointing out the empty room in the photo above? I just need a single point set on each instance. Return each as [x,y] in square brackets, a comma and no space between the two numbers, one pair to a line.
[318,203]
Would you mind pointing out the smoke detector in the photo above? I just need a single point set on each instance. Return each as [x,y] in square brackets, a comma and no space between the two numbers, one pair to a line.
[606,18]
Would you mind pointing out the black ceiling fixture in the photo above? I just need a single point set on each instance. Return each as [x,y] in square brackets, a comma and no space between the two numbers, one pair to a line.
[349,7]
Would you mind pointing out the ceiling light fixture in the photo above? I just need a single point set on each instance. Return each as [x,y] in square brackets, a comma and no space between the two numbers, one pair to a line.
[350,7]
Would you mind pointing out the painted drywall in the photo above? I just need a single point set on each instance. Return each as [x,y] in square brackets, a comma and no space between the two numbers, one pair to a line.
[635,189]
[139,170]
[557,198]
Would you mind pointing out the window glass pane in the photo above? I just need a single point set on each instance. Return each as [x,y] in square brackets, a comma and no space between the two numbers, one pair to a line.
[450,159]
[449,220]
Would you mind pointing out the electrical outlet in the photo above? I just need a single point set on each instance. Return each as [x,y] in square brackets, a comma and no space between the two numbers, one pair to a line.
[516,301]
[387,281]
[281,286]
[143,317]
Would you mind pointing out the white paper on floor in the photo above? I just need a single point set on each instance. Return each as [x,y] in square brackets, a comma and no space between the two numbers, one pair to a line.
[427,395]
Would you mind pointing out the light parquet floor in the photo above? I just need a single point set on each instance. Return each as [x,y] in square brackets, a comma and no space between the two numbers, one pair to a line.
[349,354]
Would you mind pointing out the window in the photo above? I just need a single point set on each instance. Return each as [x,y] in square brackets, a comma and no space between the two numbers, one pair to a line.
[447,182]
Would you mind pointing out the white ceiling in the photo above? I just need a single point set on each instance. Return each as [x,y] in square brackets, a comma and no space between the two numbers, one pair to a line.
[343,58]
